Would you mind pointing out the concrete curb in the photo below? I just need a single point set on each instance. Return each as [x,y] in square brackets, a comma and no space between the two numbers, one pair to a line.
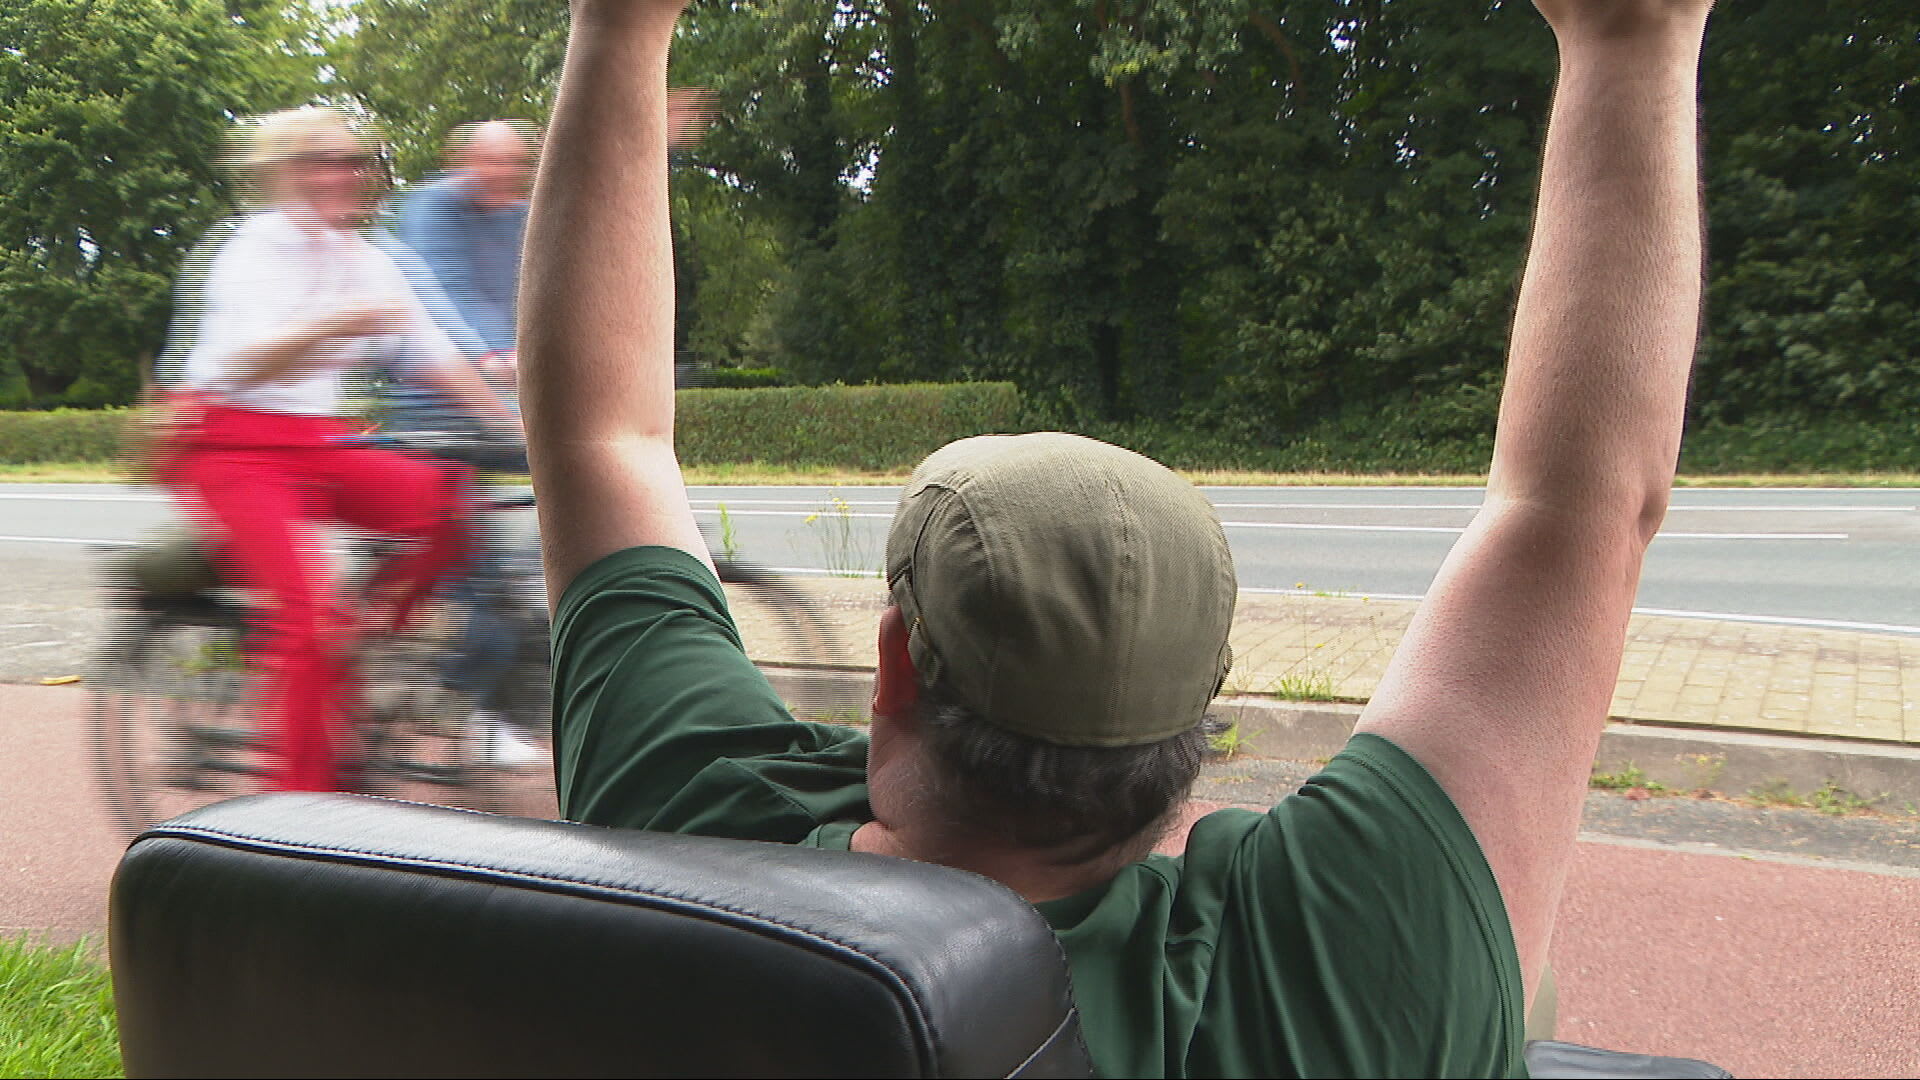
[1734,762]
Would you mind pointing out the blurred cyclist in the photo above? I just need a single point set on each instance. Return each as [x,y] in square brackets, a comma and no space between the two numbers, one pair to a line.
[292,301]
[463,230]
[467,228]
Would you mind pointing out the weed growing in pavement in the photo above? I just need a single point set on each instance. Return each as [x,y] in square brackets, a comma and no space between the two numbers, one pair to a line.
[1707,769]
[1227,741]
[1311,684]
[729,541]
[1629,778]
[841,546]
[1776,792]
[1828,798]
[1833,799]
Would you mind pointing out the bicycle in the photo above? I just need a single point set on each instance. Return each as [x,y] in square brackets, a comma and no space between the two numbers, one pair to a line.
[174,720]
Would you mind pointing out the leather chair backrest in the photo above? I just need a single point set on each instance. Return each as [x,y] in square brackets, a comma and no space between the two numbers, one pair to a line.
[337,935]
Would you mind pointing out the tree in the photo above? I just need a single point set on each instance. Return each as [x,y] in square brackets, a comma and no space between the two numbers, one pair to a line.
[113,114]
[425,68]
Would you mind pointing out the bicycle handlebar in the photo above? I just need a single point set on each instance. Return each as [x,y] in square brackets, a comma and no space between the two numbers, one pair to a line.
[476,448]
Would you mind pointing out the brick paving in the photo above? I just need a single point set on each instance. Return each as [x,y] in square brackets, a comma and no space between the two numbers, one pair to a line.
[1683,672]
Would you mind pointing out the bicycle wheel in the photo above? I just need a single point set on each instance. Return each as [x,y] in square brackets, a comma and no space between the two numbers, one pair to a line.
[792,638]
[173,719]
[427,741]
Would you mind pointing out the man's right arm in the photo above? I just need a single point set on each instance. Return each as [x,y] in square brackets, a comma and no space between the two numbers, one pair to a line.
[1502,684]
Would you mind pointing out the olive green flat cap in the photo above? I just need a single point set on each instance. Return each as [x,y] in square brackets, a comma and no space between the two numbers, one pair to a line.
[1063,588]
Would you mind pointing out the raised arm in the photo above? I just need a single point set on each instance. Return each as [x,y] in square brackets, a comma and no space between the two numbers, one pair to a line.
[596,299]
[1502,685]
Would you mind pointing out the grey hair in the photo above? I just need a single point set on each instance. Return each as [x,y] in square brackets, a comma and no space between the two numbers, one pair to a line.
[1076,804]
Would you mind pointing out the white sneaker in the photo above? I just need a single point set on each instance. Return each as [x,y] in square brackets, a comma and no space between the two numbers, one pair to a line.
[500,746]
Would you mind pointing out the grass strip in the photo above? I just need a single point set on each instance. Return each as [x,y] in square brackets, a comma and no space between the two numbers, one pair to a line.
[56,1012]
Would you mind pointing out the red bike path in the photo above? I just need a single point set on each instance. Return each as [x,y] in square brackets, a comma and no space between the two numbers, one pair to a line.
[1767,968]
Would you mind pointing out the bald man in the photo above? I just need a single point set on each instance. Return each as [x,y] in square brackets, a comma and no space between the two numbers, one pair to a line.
[467,227]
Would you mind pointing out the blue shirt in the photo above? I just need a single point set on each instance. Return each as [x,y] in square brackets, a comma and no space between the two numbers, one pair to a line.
[473,252]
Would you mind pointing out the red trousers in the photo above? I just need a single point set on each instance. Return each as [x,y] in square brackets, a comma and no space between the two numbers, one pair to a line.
[269,480]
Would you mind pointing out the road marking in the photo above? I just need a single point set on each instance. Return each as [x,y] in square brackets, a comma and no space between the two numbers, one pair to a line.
[55,540]
[1750,490]
[793,487]
[1336,594]
[1344,506]
[1400,506]
[1737,509]
[1323,526]
[1749,536]
[130,497]
[1671,613]
[808,514]
[1296,526]
[1757,509]
[828,504]
[1782,620]
[1691,847]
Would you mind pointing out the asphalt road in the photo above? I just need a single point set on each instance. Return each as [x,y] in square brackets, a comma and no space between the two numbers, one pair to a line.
[1839,558]
[1823,557]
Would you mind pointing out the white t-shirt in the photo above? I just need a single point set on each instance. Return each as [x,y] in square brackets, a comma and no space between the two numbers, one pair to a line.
[275,274]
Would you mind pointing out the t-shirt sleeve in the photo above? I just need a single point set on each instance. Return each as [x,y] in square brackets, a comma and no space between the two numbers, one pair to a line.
[662,722]
[1362,927]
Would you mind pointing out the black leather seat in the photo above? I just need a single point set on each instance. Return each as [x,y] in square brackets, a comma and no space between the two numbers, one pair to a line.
[334,935]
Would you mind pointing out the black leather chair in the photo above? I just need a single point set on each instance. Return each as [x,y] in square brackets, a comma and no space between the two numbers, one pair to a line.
[337,935]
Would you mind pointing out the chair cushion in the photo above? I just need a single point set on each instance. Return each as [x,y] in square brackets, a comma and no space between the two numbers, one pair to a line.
[337,935]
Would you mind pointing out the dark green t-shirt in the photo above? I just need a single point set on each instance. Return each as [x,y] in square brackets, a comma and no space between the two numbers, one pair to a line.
[1353,930]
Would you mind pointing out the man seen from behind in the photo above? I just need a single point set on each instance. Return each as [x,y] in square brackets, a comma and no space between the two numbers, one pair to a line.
[1060,609]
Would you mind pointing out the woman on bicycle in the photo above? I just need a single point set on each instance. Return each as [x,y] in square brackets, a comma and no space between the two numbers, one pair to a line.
[294,301]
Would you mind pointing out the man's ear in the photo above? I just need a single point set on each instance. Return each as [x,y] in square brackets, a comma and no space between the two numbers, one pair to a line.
[896,685]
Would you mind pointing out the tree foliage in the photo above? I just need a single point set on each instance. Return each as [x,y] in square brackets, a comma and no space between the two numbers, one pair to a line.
[1262,217]
[425,68]
[1264,221]
[112,117]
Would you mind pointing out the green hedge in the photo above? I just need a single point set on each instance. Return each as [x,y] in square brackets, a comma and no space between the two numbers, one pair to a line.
[737,378]
[844,427]
[848,427]
[892,427]
[1388,442]
[61,436]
